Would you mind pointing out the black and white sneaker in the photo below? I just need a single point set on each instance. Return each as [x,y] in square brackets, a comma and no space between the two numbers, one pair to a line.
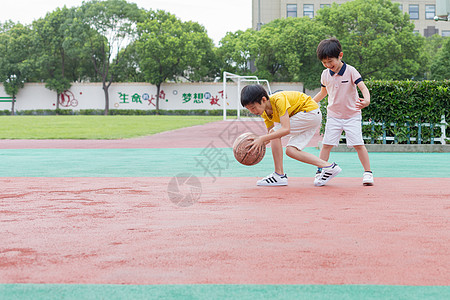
[273,180]
[317,176]
[327,174]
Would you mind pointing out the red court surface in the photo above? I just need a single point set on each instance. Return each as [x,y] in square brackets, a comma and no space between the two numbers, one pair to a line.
[127,231]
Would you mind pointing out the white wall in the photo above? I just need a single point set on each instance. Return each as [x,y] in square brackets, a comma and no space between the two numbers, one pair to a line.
[174,96]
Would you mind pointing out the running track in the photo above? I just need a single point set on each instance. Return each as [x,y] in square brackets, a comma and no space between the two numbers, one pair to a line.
[99,219]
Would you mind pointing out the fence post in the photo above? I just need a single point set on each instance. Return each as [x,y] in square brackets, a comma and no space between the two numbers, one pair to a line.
[395,134]
[409,134]
[432,133]
[419,134]
[384,132]
[443,129]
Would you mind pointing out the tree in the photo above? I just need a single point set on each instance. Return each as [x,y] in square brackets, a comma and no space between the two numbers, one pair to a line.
[297,45]
[235,51]
[377,38]
[439,67]
[14,52]
[167,49]
[266,53]
[109,26]
[53,58]
[283,50]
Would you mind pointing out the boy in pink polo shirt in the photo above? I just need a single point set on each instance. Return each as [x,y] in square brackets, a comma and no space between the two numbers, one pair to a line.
[339,81]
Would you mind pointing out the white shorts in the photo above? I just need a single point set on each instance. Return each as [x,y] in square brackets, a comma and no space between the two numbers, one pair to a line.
[303,127]
[352,128]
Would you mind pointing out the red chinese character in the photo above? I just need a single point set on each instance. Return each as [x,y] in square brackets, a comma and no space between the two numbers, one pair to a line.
[215,101]
[162,95]
[221,94]
[150,101]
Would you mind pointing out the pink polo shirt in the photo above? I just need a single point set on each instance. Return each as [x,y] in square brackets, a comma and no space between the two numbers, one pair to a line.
[342,92]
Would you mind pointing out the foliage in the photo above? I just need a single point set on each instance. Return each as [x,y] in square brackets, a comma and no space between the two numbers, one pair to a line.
[298,42]
[234,51]
[14,53]
[168,48]
[51,59]
[114,23]
[377,38]
[440,67]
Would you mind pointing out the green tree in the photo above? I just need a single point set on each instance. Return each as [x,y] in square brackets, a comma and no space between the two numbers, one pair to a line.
[167,49]
[14,52]
[235,51]
[109,27]
[439,67]
[55,61]
[265,50]
[298,43]
[377,38]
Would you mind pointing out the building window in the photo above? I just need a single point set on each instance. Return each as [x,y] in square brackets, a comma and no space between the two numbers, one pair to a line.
[414,11]
[325,5]
[400,6]
[430,12]
[308,10]
[291,10]
[445,33]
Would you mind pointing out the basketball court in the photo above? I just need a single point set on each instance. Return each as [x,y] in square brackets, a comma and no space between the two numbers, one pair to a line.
[175,216]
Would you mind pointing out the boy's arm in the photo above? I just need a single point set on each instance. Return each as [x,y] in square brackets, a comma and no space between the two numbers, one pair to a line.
[284,130]
[323,92]
[365,100]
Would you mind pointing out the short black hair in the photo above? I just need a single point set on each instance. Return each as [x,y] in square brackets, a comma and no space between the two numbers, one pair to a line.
[253,93]
[329,48]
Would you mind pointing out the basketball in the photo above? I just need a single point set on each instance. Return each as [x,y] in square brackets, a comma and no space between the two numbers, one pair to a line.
[241,150]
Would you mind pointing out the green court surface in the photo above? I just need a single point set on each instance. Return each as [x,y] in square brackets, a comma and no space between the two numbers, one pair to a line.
[214,162]
[356,292]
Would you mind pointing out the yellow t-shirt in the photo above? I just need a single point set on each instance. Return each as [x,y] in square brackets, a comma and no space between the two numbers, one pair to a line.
[292,101]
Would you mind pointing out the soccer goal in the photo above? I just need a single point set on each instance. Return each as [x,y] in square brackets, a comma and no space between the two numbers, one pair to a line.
[230,101]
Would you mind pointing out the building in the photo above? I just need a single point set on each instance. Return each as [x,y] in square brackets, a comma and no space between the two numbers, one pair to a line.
[421,12]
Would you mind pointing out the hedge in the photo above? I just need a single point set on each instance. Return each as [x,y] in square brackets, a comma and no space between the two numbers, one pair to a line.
[401,109]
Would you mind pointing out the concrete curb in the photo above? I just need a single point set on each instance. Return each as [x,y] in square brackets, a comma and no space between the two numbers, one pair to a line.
[437,148]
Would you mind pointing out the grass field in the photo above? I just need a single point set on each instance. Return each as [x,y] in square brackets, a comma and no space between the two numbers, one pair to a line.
[93,127]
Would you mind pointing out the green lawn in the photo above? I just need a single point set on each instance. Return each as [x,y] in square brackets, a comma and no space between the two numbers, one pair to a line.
[93,127]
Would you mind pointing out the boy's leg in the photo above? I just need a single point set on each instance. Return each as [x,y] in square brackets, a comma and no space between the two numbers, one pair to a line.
[303,127]
[353,132]
[333,131]
[363,156]
[277,178]
[325,152]
[305,157]
[277,154]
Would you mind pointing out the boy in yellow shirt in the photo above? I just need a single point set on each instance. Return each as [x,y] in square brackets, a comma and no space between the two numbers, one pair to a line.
[287,113]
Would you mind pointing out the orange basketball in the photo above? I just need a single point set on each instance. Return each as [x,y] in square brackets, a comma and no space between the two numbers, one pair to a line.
[241,150]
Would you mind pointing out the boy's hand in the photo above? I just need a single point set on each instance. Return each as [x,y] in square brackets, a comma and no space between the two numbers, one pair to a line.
[257,143]
[362,103]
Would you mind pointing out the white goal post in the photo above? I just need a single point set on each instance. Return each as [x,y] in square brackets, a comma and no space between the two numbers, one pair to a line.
[238,79]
